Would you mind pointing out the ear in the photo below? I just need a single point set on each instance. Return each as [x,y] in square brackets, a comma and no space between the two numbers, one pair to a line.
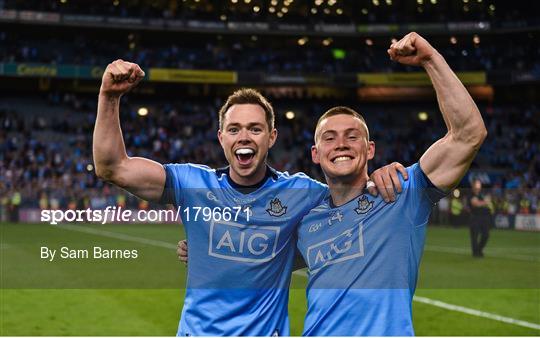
[273,137]
[220,137]
[371,150]
[315,155]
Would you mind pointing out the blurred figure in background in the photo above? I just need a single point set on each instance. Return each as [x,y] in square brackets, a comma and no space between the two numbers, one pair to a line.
[480,218]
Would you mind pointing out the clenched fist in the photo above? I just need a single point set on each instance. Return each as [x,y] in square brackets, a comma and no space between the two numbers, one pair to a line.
[412,50]
[119,77]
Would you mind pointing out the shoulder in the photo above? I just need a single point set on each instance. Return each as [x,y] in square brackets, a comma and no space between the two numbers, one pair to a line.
[191,168]
[299,180]
[189,175]
[321,210]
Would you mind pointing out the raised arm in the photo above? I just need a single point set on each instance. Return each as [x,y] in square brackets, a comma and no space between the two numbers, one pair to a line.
[448,159]
[140,176]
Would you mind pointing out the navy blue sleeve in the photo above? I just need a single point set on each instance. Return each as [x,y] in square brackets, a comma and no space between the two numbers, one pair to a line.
[433,193]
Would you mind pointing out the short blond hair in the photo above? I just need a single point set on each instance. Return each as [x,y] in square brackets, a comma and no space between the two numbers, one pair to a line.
[340,110]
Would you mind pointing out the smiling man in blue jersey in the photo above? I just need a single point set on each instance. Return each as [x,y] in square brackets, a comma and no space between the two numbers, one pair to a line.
[240,221]
[362,253]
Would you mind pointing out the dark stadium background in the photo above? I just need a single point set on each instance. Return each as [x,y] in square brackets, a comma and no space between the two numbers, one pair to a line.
[305,56]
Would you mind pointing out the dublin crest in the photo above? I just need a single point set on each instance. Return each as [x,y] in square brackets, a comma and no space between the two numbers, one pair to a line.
[364,205]
[276,209]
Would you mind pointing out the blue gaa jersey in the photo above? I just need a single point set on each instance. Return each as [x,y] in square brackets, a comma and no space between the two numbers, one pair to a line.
[241,248]
[363,260]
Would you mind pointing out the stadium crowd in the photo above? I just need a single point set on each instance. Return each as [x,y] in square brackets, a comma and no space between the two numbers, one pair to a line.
[299,11]
[46,159]
[263,54]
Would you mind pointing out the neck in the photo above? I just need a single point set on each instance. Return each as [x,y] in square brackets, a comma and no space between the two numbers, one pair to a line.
[343,190]
[250,180]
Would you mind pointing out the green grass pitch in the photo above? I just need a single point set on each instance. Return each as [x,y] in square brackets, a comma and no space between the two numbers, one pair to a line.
[144,296]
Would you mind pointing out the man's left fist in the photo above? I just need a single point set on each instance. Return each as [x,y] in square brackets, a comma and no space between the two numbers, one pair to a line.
[412,50]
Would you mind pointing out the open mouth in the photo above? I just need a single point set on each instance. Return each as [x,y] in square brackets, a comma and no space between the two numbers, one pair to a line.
[244,156]
[340,159]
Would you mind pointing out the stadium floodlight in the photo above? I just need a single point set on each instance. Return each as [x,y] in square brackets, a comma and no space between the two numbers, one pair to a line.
[423,116]
[339,11]
[290,115]
[143,111]
[256,9]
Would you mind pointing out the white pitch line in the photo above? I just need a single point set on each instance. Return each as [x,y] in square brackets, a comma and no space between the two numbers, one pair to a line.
[303,273]
[477,313]
[463,251]
[459,308]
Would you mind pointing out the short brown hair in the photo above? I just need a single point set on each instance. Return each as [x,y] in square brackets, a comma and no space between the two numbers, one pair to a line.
[248,96]
[341,110]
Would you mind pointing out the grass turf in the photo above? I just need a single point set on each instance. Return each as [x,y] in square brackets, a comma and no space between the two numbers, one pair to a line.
[144,296]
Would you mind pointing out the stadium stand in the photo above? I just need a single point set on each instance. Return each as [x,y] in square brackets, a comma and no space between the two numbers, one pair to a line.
[46,137]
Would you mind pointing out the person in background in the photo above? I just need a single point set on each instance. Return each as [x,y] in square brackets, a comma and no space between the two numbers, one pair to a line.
[479,218]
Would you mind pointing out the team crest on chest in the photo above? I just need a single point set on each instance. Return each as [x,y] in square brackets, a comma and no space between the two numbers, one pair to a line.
[276,209]
[364,205]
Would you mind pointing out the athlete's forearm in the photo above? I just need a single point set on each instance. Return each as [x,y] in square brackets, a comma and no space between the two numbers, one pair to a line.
[108,144]
[460,113]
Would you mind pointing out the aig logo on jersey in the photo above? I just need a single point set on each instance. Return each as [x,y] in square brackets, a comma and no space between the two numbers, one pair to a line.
[348,245]
[243,243]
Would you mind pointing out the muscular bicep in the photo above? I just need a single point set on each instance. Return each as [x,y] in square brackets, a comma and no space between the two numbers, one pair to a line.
[142,177]
[447,161]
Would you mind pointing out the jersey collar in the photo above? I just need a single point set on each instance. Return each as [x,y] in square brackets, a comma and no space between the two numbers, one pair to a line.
[246,189]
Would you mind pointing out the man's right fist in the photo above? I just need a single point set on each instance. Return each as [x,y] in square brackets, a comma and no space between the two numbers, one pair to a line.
[119,77]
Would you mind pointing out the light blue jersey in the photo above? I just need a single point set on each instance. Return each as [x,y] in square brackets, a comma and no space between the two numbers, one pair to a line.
[363,260]
[239,269]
